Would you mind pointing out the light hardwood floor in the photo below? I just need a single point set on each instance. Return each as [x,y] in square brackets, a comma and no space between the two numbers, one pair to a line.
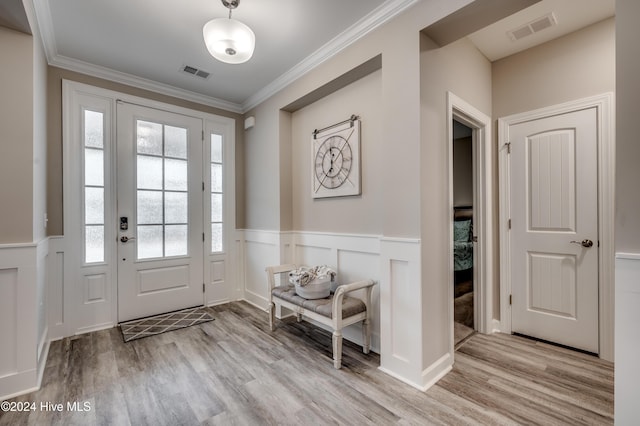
[234,371]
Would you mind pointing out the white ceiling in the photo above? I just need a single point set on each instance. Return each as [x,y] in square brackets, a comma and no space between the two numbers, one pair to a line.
[146,43]
[155,39]
[571,15]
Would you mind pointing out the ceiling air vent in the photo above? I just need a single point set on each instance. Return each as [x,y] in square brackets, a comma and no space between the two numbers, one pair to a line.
[195,71]
[532,27]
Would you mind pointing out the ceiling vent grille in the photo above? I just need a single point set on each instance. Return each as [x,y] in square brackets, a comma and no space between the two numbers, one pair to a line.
[533,27]
[195,71]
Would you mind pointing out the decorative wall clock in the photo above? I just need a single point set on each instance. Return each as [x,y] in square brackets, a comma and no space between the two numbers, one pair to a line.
[336,160]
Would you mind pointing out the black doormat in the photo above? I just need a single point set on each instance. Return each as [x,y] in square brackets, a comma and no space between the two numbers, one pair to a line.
[150,326]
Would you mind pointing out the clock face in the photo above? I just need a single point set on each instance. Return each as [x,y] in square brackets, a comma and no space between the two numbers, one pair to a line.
[333,162]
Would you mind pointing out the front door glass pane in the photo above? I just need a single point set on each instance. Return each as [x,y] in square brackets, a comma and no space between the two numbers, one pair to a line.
[162,190]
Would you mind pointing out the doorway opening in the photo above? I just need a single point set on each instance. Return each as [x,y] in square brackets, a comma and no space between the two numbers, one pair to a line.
[478,232]
[463,236]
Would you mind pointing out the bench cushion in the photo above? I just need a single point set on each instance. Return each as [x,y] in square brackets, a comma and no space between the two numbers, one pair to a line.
[350,305]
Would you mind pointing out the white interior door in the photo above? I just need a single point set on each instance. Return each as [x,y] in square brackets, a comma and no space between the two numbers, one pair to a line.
[554,229]
[160,211]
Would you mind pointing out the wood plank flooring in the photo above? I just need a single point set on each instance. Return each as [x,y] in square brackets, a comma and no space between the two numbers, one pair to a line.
[234,371]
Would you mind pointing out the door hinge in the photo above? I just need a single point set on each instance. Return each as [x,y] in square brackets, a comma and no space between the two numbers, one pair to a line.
[203,237]
[509,223]
[203,136]
[203,287]
[202,186]
[508,144]
[510,299]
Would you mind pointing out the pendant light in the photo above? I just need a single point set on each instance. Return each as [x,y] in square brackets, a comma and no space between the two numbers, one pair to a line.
[229,40]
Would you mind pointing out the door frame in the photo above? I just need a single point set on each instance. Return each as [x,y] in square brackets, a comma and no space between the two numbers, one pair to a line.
[79,312]
[606,209]
[480,123]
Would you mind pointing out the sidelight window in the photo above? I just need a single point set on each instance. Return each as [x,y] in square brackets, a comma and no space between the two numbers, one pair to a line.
[217,193]
[94,205]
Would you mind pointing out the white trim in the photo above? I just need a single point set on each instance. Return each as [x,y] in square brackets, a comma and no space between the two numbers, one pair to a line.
[45,25]
[379,16]
[430,375]
[80,317]
[384,13]
[628,256]
[24,267]
[141,83]
[606,209]
[437,371]
[627,341]
[466,113]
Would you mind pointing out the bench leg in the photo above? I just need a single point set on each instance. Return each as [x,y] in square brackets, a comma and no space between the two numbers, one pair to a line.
[272,316]
[366,335]
[337,349]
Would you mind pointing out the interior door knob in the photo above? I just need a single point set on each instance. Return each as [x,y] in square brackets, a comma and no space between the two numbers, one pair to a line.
[584,243]
[124,239]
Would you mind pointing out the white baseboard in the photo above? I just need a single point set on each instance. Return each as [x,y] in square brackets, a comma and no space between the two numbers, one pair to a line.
[436,371]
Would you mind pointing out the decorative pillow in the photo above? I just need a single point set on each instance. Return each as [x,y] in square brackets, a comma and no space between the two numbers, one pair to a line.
[461,230]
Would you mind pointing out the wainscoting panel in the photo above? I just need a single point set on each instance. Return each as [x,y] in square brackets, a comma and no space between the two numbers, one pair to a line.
[400,298]
[55,289]
[42,262]
[627,338]
[260,249]
[22,317]
[397,332]
[401,330]
[8,320]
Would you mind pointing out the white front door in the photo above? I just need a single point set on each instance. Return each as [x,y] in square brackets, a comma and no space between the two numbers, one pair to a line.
[554,228]
[160,211]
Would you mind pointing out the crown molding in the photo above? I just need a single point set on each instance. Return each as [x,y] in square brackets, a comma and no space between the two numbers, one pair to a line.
[370,22]
[142,83]
[379,16]
[45,27]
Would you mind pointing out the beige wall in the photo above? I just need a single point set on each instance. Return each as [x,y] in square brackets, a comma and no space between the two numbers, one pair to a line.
[54,152]
[16,137]
[575,66]
[627,140]
[461,69]
[342,214]
[398,42]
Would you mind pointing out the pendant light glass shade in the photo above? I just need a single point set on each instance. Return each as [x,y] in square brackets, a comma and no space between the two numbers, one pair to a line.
[229,40]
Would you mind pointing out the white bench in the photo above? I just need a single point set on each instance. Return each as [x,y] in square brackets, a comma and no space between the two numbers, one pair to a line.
[336,311]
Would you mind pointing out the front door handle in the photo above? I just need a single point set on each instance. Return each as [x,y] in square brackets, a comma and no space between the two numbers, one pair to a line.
[584,243]
[124,239]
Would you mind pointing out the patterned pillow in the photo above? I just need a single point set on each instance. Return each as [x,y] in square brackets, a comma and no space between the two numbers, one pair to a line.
[462,230]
